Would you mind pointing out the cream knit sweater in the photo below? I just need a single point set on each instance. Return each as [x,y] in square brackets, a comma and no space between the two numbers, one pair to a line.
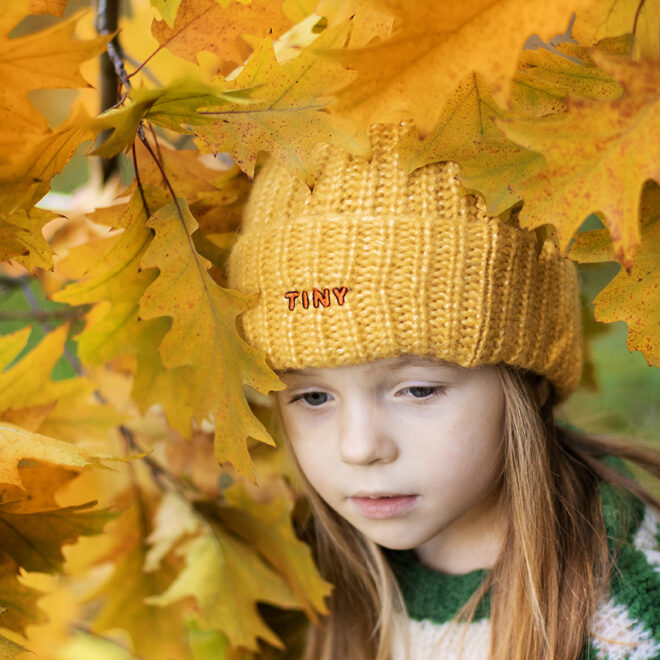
[626,625]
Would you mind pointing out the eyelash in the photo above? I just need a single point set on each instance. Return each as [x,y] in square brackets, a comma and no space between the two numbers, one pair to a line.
[435,391]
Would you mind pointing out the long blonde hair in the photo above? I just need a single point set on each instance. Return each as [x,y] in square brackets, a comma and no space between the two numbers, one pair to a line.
[554,568]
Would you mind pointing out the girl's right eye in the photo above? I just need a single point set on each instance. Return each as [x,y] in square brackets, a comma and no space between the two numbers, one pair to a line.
[312,399]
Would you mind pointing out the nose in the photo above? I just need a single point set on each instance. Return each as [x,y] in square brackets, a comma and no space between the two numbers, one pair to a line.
[364,436]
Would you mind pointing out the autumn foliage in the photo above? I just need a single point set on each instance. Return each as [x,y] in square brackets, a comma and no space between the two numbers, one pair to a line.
[142,513]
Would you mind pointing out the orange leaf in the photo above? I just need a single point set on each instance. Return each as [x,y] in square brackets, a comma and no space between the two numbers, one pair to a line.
[632,296]
[436,45]
[208,25]
[599,154]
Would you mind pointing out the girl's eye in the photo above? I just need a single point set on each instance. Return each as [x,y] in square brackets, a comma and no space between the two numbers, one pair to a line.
[313,399]
[421,391]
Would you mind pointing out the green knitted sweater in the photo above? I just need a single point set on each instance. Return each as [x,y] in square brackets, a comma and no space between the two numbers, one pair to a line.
[626,625]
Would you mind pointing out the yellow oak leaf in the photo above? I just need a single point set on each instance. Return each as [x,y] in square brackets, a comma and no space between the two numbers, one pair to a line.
[598,155]
[267,528]
[287,114]
[434,46]
[25,176]
[47,59]
[216,196]
[467,134]
[203,335]
[64,409]
[18,602]
[633,296]
[115,282]
[39,482]
[611,18]
[11,345]
[156,632]
[226,578]
[17,445]
[167,9]
[218,27]
[174,106]
[34,540]
[21,238]
[84,646]
[9,650]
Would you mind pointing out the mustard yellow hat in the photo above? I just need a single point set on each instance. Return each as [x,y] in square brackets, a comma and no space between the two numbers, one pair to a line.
[373,263]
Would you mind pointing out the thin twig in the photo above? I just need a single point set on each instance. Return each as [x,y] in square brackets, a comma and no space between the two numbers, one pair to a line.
[36,308]
[40,316]
[139,182]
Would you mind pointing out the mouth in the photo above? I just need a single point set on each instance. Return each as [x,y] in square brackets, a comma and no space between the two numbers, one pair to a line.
[383,505]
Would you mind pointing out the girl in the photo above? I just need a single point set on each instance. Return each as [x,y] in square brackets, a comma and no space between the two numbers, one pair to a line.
[423,345]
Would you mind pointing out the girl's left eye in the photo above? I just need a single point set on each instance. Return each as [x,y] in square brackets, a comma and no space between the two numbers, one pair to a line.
[423,392]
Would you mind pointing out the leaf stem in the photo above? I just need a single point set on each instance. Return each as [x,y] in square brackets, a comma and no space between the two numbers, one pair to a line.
[637,13]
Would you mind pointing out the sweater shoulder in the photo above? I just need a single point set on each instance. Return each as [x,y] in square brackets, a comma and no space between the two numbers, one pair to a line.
[627,623]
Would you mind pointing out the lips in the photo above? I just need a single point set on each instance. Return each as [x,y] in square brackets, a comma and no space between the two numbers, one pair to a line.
[379,506]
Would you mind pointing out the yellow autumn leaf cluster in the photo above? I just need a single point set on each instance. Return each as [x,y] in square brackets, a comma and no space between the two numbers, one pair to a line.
[183,556]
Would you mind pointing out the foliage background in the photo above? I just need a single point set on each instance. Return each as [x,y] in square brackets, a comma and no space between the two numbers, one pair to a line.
[121,535]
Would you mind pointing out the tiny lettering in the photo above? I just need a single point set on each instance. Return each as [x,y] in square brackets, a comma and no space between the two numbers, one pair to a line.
[321,297]
[340,294]
[292,295]
[318,297]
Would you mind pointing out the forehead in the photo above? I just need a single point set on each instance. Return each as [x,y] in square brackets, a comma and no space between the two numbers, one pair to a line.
[375,367]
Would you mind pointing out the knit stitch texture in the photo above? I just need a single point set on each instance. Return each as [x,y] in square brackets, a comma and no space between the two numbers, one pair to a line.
[626,625]
[374,263]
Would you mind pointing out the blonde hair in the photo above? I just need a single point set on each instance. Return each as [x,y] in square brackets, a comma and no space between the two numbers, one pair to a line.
[555,566]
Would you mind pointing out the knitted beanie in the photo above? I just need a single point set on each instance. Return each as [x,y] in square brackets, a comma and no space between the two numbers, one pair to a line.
[373,263]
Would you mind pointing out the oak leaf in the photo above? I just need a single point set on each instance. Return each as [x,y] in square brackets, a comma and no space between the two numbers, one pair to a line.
[47,59]
[216,195]
[29,398]
[218,27]
[25,179]
[109,275]
[633,296]
[9,650]
[287,114]
[434,47]
[467,132]
[21,238]
[598,154]
[174,106]
[227,578]
[34,540]
[18,602]
[611,18]
[203,335]
[124,607]
[267,528]
[17,445]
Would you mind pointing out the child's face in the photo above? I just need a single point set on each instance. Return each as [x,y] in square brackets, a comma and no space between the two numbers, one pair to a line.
[408,450]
